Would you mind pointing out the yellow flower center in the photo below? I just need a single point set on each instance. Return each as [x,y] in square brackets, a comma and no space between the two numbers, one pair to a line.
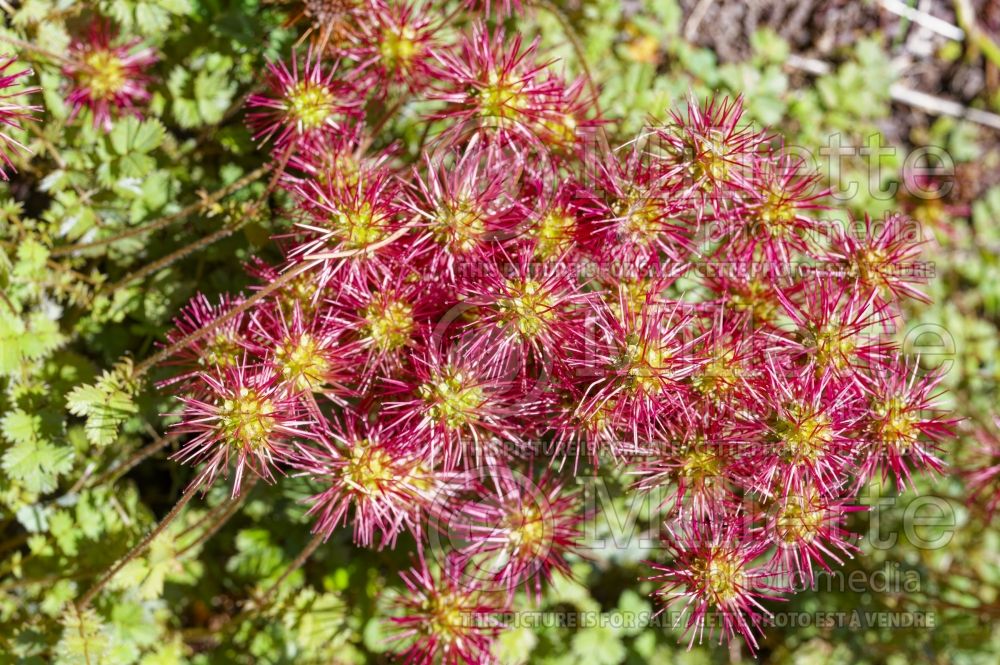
[302,362]
[369,469]
[700,463]
[527,306]
[448,618]
[104,74]
[868,265]
[554,233]
[777,214]
[897,423]
[389,324]
[222,350]
[459,227]
[645,361]
[359,228]
[804,433]
[502,98]
[399,50]
[638,219]
[832,347]
[719,375]
[247,420]
[528,532]
[309,104]
[706,157]
[559,129]
[721,576]
[801,518]
[756,299]
[453,397]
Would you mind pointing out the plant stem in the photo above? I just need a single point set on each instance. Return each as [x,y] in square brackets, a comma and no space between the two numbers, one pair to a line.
[116,471]
[14,41]
[174,256]
[264,601]
[142,545]
[218,521]
[165,353]
[966,16]
[163,222]
[303,556]
[205,241]
[278,283]
[379,124]
[574,40]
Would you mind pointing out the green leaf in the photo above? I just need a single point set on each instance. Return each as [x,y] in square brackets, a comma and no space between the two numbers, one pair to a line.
[31,258]
[171,653]
[134,623]
[106,405]
[57,596]
[769,46]
[514,646]
[598,645]
[151,19]
[133,135]
[21,427]
[32,460]
[42,338]
[63,529]
[633,607]
[257,558]
[37,464]
[85,639]
[11,333]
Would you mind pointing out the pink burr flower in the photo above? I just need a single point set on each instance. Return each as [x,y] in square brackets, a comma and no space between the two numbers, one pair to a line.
[394,43]
[444,617]
[904,425]
[382,487]
[716,580]
[12,110]
[456,409]
[244,417]
[806,524]
[108,80]
[515,532]
[303,100]
[495,87]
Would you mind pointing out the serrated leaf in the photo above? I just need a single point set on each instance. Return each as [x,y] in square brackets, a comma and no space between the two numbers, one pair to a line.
[11,332]
[599,645]
[63,529]
[131,135]
[37,464]
[21,427]
[31,258]
[85,639]
[134,623]
[151,19]
[105,404]
[42,338]
[81,400]
[130,576]
[57,596]
[514,646]
[134,165]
